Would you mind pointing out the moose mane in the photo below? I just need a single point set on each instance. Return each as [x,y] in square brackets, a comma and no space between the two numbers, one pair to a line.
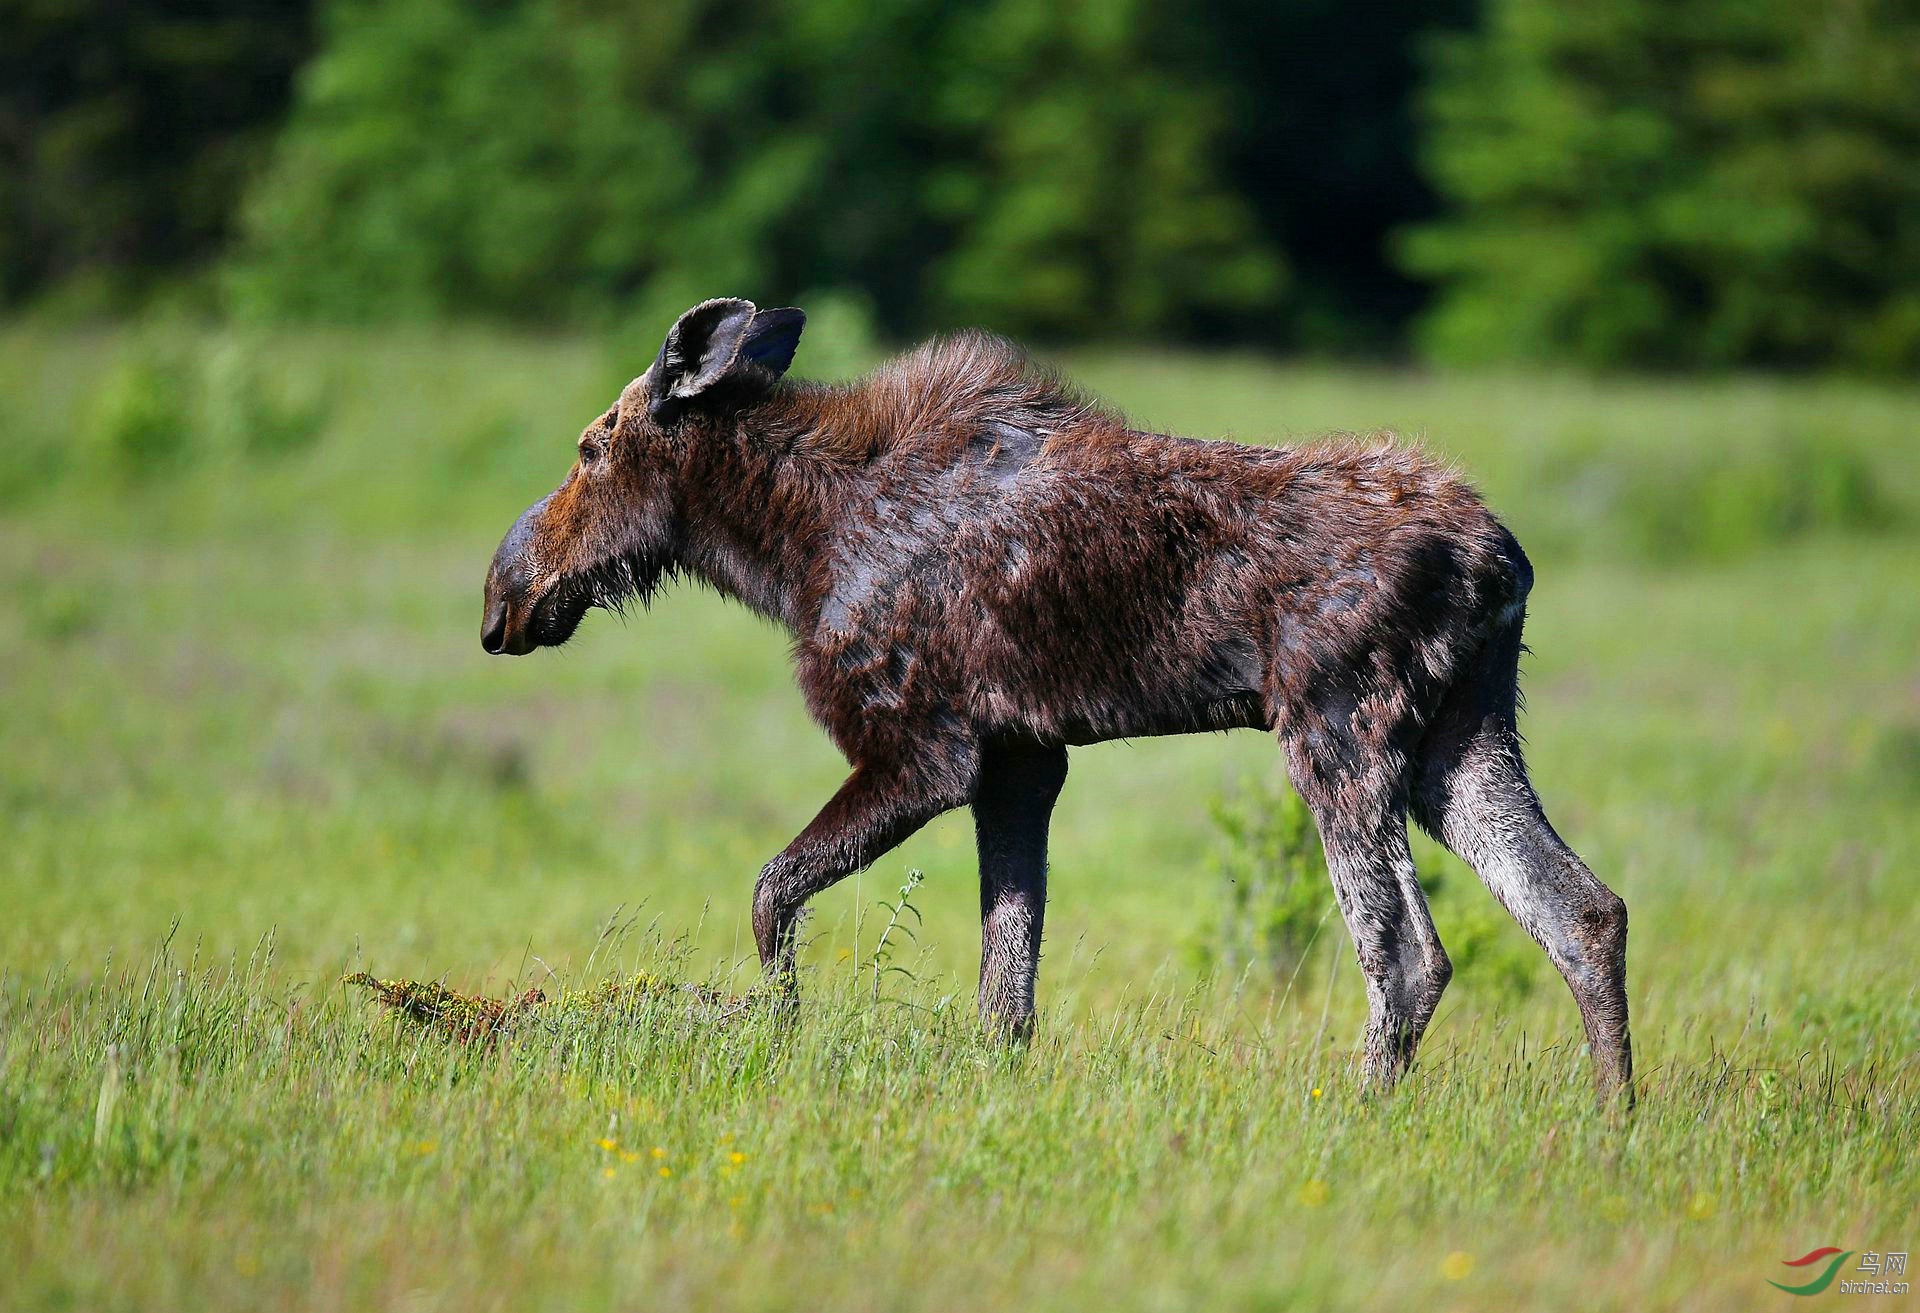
[950,383]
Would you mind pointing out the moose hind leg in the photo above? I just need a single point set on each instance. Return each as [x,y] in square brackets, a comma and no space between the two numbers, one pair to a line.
[1363,828]
[1471,791]
[1012,806]
[1475,797]
[1399,951]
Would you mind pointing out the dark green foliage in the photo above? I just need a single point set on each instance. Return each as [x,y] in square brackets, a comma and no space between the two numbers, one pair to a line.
[1081,185]
[1320,140]
[1697,184]
[127,130]
[1702,183]
[1015,163]
[447,156]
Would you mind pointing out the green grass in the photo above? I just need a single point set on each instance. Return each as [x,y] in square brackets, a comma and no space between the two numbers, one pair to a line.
[242,690]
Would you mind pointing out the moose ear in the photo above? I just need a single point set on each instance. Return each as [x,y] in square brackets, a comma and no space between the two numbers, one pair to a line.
[714,339]
[700,348]
[772,339]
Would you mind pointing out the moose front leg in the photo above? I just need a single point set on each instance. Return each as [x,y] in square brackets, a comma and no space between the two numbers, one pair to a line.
[874,811]
[1011,808]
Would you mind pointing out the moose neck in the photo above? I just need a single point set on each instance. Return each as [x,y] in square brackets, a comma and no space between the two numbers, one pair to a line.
[755,524]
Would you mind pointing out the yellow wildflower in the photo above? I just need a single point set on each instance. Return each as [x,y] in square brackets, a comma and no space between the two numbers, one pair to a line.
[1457,1266]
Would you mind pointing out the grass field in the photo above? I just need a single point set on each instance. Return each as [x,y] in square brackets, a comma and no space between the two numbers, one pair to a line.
[249,743]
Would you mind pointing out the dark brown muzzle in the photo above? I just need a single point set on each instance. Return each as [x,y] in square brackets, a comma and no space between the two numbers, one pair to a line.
[493,630]
[507,625]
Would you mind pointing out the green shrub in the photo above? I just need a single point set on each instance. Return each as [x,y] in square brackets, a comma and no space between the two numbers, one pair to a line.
[254,410]
[1893,762]
[31,460]
[56,608]
[142,421]
[181,400]
[1277,900]
[1275,895]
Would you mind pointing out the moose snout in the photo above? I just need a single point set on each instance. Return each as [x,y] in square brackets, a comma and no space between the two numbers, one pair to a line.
[493,628]
[506,625]
[509,589]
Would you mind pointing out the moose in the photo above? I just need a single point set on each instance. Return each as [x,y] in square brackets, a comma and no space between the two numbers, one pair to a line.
[982,568]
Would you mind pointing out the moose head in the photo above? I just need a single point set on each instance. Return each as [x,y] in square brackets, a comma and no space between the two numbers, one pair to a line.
[611,530]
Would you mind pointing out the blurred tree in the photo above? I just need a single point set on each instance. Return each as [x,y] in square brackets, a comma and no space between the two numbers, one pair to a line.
[1320,140]
[127,129]
[452,156]
[1083,185]
[1123,169]
[1678,183]
[1016,162]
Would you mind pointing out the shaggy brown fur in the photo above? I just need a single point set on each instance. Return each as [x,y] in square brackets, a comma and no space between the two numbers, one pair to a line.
[981,568]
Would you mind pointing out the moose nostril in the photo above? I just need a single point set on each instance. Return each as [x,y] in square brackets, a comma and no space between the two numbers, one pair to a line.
[493,636]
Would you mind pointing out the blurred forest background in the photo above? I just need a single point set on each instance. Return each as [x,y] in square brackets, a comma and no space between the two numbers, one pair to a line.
[1671,184]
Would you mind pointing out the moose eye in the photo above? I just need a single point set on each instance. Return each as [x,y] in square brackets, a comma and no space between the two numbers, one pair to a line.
[589,452]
